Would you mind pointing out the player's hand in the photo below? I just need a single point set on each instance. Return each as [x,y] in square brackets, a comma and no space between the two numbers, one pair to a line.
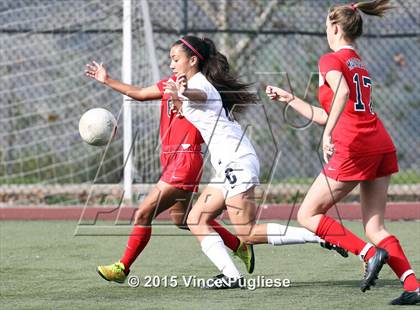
[170,89]
[276,93]
[181,82]
[327,148]
[175,106]
[175,103]
[96,71]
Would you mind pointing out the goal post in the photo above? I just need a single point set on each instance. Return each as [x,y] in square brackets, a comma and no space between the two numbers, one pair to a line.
[127,78]
[127,118]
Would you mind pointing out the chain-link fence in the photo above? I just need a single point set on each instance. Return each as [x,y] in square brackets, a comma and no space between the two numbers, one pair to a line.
[45,44]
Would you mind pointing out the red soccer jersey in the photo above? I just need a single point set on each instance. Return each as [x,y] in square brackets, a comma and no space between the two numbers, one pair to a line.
[359,132]
[175,130]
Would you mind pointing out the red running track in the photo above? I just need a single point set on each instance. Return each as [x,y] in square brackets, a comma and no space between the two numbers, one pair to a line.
[395,211]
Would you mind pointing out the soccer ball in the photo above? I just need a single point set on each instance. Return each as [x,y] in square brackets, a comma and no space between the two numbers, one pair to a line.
[97,126]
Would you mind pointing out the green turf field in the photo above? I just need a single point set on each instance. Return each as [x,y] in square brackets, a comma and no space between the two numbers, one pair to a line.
[44,266]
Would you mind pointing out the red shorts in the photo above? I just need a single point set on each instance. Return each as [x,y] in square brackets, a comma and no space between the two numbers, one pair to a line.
[182,168]
[344,168]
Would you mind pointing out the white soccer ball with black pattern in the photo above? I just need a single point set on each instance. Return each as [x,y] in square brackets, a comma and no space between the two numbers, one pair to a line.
[97,126]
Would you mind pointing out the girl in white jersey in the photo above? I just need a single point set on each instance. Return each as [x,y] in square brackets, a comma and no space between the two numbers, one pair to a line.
[232,155]
[205,93]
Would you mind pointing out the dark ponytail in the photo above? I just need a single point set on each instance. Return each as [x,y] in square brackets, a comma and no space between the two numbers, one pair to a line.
[215,67]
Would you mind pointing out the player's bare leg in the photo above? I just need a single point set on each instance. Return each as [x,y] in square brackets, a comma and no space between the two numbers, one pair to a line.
[207,208]
[162,197]
[178,213]
[373,197]
[322,195]
[373,194]
[243,211]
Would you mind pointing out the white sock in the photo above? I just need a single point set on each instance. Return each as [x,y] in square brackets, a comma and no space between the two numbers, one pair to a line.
[364,251]
[213,246]
[405,275]
[280,234]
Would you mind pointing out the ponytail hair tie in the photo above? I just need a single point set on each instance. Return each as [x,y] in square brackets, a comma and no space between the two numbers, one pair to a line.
[353,6]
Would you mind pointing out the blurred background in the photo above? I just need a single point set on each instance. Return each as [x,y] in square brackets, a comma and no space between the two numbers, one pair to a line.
[45,45]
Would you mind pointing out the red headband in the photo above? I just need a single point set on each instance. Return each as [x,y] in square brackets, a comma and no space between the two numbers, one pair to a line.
[193,49]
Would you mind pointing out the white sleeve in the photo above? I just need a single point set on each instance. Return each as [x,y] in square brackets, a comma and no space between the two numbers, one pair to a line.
[200,83]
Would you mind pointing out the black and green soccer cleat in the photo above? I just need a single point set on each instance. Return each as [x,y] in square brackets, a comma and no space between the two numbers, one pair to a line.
[246,253]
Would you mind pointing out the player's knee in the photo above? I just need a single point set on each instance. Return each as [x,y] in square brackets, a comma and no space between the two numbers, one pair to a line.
[302,217]
[192,218]
[143,217]
[308,215]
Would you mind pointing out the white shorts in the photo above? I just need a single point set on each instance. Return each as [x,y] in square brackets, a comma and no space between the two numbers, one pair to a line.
[237,176]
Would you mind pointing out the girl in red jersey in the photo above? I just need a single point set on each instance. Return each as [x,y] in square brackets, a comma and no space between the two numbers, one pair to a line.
[181,162]
[357,150]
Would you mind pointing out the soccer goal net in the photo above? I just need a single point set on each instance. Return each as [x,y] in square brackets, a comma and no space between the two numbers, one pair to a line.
[45,45]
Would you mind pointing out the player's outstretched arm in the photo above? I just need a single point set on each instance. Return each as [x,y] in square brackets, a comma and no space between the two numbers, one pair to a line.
[307,110]
[98,72]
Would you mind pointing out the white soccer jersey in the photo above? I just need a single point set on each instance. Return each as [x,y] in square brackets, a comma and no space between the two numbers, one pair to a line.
[224,138]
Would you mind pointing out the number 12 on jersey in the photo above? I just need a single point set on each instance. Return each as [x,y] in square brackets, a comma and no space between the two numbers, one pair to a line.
[365,82]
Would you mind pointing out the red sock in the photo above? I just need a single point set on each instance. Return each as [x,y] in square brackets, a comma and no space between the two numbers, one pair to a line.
[369,253]
[335,233]
[399,263]
[230,240]
[137,241]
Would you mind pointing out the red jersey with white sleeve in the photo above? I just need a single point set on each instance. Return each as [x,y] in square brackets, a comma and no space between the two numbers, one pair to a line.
[359,132]
[181,159]
[174,130]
